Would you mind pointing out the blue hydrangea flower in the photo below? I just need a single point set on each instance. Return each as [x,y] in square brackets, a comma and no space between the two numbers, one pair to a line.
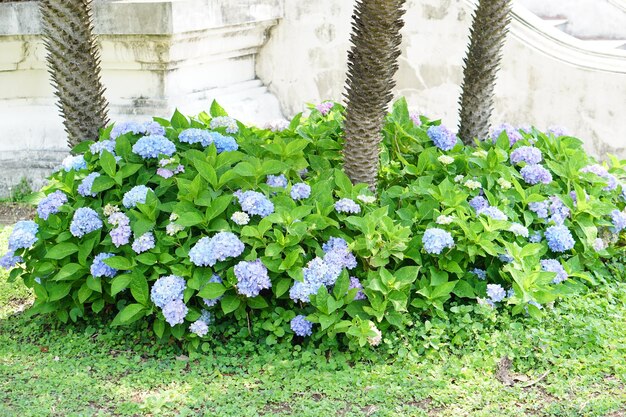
[85,220]
[435,240]
[478,203]
[599,245]
[24,235]
[277,181]
[528,154]
[153,146]
[619,221]
[559,211]
[144,243]
[51,204]
[442,137]
[559,238]
[511,132]
[519,229]
[536,174]
[552,265]
[153,128]
[252,277]
[224,143]
[84,188]
[199,327]
[496,293]
[334,243]
[103,145]
[301,326]
[506,258]
[255,203]
[120,235]
[540,208]
[135,195]
[300,191]
[210,302]
[224,121]
[355,283]
[602,172]
[536,237]
[194,135]
[74,163]
[345,205]
[480,273]
[100,269]
[167,289]
[9,260]
[175,312]
[208,251]
[300,291]
[126,127]
[493,212]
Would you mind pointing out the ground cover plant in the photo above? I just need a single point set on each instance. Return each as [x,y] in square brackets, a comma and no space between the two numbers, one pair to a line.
[207,229]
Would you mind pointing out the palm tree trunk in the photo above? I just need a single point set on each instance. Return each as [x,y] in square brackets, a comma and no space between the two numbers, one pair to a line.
[488,33]
[74,66]
[372,63]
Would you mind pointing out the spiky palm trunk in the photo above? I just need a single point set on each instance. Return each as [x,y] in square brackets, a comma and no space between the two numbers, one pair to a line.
[488,33]
[372,63]
[74,65]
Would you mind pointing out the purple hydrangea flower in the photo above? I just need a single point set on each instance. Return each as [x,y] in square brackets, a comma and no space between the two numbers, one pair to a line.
[442,137]
[345,205]
[255,203]
[85,220]
[559,211]
[536,174]
[153,146]
[175,312]
[277,181]
[74,163]
[557,131]
[602,172]
[599,245]
[135,195]
[559,238]
[224,121]
[100,269]
[199,327]
[324,107]
[495,292]
[528,154]
[300,191]
[51,204]
[511,132]
[540,208]
[415,118]
[120,235]
[208,251]
[252,277]
[478,203]
[167,289]
[144,243]
[210,302]
[552,265]
[84,188]
[334,243]
[619,221]
[301,326]
[103,145]
[435,240]
[355,283]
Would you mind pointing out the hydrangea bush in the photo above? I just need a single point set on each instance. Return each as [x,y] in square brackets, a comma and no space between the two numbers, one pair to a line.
[204,225]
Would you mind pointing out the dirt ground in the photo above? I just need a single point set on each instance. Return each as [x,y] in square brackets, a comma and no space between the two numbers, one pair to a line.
[12,212]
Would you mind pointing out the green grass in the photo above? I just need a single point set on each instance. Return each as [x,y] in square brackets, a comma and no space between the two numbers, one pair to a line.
[88,369]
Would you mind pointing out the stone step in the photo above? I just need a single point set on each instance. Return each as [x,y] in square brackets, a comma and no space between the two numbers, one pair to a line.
[606,44]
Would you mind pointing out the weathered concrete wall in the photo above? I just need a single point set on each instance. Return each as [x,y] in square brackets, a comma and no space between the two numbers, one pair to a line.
[305,61]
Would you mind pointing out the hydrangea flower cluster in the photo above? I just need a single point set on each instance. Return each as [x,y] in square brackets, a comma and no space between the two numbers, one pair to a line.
[415,118]
[506,185]
[254,203]
[618,218]
[144,243]
[51,204]
[495,293]
[9,260]
[559,238]
[277,181]
[536,174]
[167,294]
[355,283]
[153,146]
[473,185]
[208,251]
[511,132]
[194,135]
[252,277]
[85,220]
[599,245]
[23,236]
[210,302]
[73,163]
[224,121]
[552,210]
[367,199]
[346,205]
[557,131]
[324,107]
[602,172]
[84,188]
[519,229]
[100,269]
[277,125]
[527,154]
[492,212]
[444,219]
[240,218]
[135,195]
[301,326]
[101,146]
[442,137]
[199,327]
[167,170]
[480,273]
[552,265]
[300,191]
[535,237]
[478,203]
[445,159]
[147,128]
[120,235]
[224,143]
[435,240]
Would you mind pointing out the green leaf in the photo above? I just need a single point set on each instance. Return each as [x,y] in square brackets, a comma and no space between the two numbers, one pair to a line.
[119,263]
[68,271]
[129,314]
[190,218]
[212,290]
[62,250]
[58,291]
[218,206]
[102,183]
[464,289]
[282,286]
[179,121]
[83,293]
[94,283]
[108,163]
[159,328]
[139,288]
[257,302]
[230,303]
[217,110]
[120,283]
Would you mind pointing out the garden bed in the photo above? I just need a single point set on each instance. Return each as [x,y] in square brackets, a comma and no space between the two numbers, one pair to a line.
[13,212]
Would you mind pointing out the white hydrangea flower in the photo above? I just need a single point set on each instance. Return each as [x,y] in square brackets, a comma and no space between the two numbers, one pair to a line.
[519,230]
[173,228]
[458,178]
[504,183]
[173,217]
[599,245]
[367,199]
[481,154]
[445,219]
[375,340]
[240,218]
[445,159]
[110,209]
[472,185]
